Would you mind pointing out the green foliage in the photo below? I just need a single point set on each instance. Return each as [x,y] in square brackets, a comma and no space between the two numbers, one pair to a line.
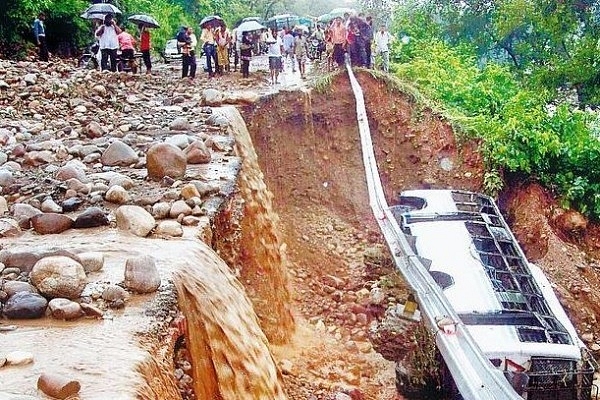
[521,130]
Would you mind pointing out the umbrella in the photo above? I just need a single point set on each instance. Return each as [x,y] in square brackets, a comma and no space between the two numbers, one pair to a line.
[212,20]
[101,8]
[250,26]
[339,12]
[303,28]
[93,16]
[142,19]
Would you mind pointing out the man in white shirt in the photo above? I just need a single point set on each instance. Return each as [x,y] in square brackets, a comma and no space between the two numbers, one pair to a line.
[274,51]
[382,41]
[109,42]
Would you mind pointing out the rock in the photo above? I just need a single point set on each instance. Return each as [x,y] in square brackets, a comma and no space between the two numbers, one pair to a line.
[91,311]
[78,186]
[6,178]
[91,261]
[25,305]
[117,194]
[58,276]
[30,79]
[212,97]
[19,358]
[19,259]
[94,130]
[121,180]
[161,210]
[70,172]
[114,293]
[58,386]
[37,158]
[165,160]
[23,212]
[13,287]
[71,204]
[141,274]
[571,222]
[180,124]
[217,119]
[135,220]
[100,90]
[180,207]
[48,223]
[65,309]
[181,141]
[169,228]
[9,228]
[91,218]
[119,154]
[50,206]
[197,153]
[3,205]
[286,367]
[188,191]
[342,396]
[204,188]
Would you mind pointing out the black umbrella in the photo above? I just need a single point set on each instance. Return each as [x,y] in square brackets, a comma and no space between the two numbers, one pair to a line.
[142,19]
[212,20]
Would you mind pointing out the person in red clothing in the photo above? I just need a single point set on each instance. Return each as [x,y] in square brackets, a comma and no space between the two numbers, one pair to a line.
[145,47]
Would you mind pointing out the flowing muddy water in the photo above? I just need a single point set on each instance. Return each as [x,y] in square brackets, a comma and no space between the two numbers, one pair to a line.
[129,353]
[263,257]
[231,358]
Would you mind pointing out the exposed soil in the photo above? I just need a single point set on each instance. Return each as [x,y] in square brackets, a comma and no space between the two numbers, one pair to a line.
[309,151]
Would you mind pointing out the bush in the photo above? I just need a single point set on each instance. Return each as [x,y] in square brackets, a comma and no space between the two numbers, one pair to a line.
[521,131]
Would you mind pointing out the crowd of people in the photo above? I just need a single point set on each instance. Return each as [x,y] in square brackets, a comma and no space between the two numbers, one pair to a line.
[350,38]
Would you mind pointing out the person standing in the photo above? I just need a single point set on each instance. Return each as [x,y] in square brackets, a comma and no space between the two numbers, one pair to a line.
[274,51]
[109,43]
[192,54]
[338,37]
[39,32]
[208,45]
[246,53]
[127,45]
[301,51]
[288,47]
[145,47]
[223,39]
[368,35]
[382,41]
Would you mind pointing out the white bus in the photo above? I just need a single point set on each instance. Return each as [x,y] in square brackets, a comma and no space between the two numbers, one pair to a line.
[506,303]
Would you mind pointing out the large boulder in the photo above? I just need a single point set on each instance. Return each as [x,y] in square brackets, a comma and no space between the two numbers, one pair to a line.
[135,220]
[118,153]
[141,274]
[164,159]
[65,309]
[58,276]
[25,305]
[197,153]
[48,223]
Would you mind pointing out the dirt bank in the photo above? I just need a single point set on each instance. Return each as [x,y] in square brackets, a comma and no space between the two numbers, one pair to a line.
[309,151]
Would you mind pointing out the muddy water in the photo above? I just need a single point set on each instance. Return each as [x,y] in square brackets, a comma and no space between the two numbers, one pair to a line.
[128,354]
[230,356]
[263,258]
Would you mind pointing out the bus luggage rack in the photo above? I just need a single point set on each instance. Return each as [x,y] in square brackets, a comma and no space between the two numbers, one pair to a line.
[559,379]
